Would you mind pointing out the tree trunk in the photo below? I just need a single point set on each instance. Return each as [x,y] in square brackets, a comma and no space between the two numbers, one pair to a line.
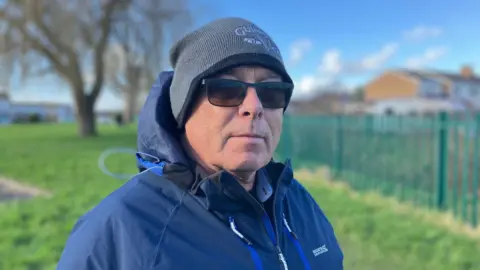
[130,103]
[87,126]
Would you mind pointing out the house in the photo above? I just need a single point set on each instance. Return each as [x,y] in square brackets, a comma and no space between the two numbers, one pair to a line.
[107,116]
[325,102]
[425,89]
[5,116]
[11,111]
[411,106]
[46,111]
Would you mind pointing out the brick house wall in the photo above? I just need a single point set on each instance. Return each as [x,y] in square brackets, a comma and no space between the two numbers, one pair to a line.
[390,85]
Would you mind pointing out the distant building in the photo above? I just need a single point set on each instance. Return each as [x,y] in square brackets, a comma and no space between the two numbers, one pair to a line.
[107,116]
[424,90]
[327,102]
[47,111]
[10,111]
[5,115]
[411,106]
[16,111]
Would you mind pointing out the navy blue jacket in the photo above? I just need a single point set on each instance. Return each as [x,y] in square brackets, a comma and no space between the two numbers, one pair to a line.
[173,216]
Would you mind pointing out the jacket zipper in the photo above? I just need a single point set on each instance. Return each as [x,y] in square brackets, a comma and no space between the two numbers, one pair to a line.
[279,250]
[275,236]
[281,257]
[265,222]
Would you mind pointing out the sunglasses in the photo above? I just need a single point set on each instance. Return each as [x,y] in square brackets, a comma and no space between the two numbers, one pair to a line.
[232,93]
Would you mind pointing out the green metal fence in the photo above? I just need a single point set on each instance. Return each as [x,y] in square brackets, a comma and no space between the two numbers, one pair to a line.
[431,161]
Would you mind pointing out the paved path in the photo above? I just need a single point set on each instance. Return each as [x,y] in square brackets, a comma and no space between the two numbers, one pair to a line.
[13,190]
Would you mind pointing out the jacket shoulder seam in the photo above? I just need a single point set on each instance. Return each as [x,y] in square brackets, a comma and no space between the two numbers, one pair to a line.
[169,218]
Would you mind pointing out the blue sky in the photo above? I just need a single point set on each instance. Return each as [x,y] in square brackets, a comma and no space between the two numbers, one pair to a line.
[344,41]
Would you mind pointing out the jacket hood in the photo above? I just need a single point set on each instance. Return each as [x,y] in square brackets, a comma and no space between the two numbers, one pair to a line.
[157,128]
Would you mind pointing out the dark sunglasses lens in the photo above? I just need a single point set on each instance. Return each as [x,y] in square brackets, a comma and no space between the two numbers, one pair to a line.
[225,93]
[273,95]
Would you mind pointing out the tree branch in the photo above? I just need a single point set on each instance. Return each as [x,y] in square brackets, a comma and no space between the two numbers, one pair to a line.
[39,47]
[56,42]
[105,26]
[35,43]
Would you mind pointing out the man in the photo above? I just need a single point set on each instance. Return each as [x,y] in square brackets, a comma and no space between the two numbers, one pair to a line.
[209,195]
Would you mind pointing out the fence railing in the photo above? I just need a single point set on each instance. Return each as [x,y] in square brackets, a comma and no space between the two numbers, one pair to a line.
[432,161]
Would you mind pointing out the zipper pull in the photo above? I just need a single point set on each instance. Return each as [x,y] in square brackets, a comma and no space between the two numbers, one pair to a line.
[281,257]
[233,227]
[288,228]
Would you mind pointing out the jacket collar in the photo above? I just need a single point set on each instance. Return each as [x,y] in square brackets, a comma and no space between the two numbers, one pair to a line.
[223,193]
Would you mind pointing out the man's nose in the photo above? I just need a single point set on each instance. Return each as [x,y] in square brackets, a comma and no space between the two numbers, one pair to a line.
[251,106]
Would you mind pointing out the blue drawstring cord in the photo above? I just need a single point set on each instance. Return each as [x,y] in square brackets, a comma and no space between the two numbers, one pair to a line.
[293,237]
[156,166]
[253,253]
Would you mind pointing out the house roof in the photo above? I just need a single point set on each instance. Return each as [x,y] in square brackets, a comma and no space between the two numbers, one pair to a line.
[434,75]
[419,75]
[48,104]
[457,77]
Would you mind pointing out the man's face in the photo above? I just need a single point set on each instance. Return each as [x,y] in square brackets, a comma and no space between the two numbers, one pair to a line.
[239,139]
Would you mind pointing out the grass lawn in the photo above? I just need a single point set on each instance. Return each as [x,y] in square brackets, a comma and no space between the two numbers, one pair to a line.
[33,232]
[378,233]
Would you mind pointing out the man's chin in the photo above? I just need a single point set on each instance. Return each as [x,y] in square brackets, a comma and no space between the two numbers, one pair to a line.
[247,162]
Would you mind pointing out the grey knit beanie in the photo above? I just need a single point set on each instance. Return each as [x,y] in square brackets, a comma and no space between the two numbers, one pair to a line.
[219,45]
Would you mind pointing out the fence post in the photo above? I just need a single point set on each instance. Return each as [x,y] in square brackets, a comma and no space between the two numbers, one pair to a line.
[368,151]
[475,179]
[369,125]
[339,146]
[442,165]
[286,140]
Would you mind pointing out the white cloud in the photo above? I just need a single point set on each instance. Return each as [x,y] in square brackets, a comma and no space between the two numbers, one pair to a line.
[328,69]
[306,84]
[331,62]
[333,65]
[378,59]
[422,32]
[298,49]
[429,56]
[309,83]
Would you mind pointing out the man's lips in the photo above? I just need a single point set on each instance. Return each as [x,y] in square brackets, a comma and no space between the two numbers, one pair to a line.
[248,135]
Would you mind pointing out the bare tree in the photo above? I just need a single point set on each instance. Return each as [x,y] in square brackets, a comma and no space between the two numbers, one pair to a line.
[137,51]
[66,37]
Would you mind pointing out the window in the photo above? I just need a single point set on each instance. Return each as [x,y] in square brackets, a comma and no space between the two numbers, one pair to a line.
[430,88]
[474,90]
[389,111]
[462,90]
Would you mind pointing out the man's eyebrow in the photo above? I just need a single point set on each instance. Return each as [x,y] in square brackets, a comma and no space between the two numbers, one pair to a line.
[269,74]
[272,75]
[230,72]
